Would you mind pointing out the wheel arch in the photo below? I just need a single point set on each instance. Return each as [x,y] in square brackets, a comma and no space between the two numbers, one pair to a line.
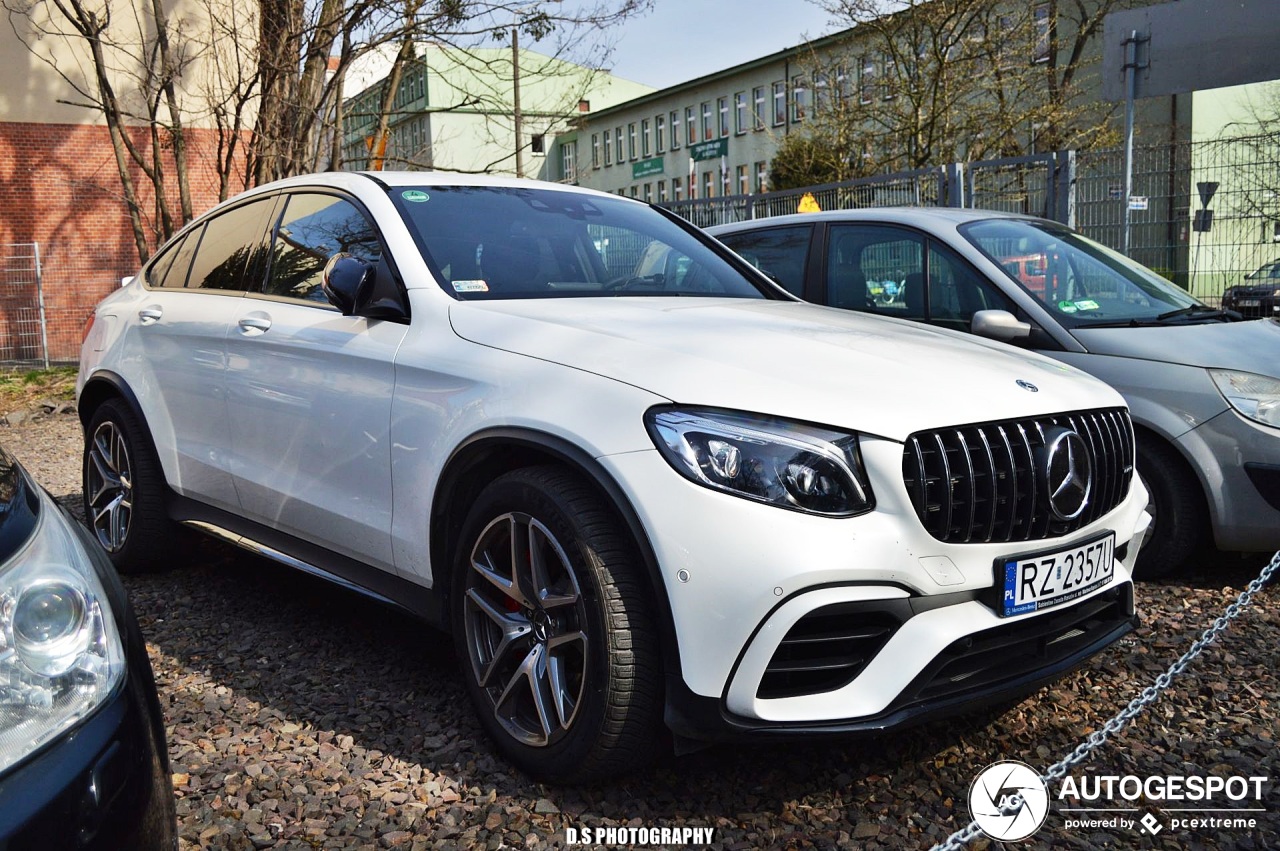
[490,453]
[101,386]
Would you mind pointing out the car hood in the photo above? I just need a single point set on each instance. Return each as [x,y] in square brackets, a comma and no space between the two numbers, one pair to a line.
[840,368]
[1247,346]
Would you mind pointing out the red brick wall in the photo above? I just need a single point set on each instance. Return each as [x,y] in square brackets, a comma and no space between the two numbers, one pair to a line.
[59,188]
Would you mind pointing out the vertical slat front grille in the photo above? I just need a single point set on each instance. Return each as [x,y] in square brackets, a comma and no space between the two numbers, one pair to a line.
[986,483]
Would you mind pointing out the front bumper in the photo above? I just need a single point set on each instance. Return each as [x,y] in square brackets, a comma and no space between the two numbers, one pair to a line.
[739,575]
[988,667]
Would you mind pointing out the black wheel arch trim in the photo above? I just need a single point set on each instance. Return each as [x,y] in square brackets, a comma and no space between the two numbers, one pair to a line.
[574,456]
[121,389]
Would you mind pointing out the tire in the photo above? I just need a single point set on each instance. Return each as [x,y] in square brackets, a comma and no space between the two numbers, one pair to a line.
[124,492]
[1179,530]
[560,660]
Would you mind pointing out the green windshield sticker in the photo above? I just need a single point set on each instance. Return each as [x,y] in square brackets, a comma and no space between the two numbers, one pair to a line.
[415,195]
[1067,306]
[1087,304]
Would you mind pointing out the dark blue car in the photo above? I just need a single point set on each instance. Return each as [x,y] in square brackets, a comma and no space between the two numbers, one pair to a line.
[83,760]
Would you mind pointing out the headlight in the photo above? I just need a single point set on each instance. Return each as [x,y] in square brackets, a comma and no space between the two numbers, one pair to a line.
[779,462]
[1255,396]
[60,652]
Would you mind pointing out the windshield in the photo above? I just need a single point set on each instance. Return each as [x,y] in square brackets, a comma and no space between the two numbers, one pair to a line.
[484,242]
[1081,282]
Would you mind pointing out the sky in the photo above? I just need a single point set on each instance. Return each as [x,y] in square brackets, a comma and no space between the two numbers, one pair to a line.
[681,40]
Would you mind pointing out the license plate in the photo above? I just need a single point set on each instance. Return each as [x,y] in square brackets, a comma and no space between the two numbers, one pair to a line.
[1250,302]
[1041,581]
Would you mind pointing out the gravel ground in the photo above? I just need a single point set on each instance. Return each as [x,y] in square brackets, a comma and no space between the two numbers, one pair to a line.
[303,717]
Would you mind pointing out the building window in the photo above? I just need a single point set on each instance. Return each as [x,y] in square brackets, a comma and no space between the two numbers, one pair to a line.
[662,192]
[595,150]
[779,103]
[646,149]
[675,130]
[799,98]
[677,191]
[1042,21]
[617,145]
[538,143]
[744,186]
[608,150]
[631,141]
[740,113]
[722,104]
[568,164]
[762,176]
[660,133]
[757,99]
[724,179]
[633,192]
[690,126]
[708,184]
[867,80]
[888,76]
[648,193]
[843,82]
[693,185]
[821,91]
[706,120]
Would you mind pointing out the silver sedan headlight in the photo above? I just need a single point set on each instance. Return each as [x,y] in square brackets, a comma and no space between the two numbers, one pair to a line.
[766,459]
[1255,396]
[60,652]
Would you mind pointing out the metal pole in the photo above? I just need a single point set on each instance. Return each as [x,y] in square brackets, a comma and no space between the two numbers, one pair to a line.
[44,325]
[515,98]
[1130,90]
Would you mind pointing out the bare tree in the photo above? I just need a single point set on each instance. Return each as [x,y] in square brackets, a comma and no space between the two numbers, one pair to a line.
[296,101]
[938,81]
[132,63]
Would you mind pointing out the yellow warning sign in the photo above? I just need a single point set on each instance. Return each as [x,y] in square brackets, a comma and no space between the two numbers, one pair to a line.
[808,204]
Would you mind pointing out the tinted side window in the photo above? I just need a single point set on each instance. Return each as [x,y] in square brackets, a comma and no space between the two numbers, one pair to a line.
[314,228]
[170,269]
[956,292]
[231,240]
[781,253]
[876,268]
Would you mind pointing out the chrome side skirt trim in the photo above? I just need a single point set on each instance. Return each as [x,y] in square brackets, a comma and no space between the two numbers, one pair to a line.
[287,560]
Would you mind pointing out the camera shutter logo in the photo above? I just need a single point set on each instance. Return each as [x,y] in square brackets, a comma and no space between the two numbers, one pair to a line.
[995,788]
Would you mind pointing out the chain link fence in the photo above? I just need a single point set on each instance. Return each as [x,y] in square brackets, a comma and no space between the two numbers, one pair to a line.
[24,339]
[48,290]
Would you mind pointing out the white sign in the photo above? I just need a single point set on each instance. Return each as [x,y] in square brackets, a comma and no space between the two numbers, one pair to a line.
[1137,202]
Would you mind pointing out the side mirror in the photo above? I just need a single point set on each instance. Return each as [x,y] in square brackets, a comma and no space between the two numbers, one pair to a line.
[999,325]
[344,277]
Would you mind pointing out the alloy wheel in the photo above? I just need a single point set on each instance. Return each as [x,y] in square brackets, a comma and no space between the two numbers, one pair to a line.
[109,485]
[526,629]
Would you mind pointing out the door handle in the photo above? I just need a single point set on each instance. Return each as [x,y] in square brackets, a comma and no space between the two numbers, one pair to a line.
[253,325]
[150,315]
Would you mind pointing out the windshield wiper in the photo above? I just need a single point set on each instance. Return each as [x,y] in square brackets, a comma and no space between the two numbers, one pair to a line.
[1199,311]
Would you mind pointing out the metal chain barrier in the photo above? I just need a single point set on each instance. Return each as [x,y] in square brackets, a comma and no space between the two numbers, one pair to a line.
[1147,697]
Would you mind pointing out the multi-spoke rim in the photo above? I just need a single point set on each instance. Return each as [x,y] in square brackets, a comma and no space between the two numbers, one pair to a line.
[526,629]
[109,486]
